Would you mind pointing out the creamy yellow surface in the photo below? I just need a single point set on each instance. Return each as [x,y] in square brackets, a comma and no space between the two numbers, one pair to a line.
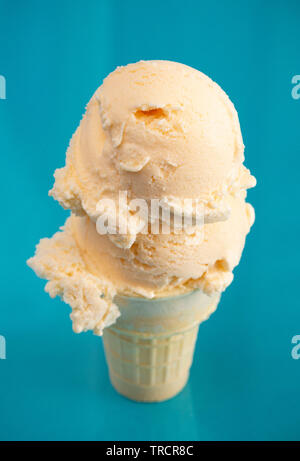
[156,129]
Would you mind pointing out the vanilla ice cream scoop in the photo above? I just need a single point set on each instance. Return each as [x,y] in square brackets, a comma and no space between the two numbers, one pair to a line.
[156,129]
[87,270]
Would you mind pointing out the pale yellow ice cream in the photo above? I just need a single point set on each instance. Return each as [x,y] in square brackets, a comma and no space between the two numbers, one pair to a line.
[154,129]
[87,269]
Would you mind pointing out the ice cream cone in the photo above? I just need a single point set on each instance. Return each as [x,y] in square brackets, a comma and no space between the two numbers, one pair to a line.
[149,350]
[156,184]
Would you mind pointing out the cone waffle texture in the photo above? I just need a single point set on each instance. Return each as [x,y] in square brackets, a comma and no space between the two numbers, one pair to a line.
[149,350]
[149,368]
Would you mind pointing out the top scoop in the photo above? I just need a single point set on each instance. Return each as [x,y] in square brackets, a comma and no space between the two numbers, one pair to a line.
[157,130]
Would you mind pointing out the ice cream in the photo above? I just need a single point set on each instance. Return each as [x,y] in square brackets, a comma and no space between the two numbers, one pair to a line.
[87,269]
[157,130]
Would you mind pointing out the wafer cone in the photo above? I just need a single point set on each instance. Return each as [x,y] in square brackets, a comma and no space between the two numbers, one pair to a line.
[149,350]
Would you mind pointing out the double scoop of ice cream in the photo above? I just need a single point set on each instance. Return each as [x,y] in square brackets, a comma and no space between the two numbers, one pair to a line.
[157,130]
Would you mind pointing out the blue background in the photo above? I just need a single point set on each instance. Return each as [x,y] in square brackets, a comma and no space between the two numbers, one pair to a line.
[244,383]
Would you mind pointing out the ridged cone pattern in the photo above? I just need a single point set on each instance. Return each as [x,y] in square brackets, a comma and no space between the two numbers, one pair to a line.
[149,367]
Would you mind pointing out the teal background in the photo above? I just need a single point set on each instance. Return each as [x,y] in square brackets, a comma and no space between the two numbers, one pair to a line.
[244,383]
